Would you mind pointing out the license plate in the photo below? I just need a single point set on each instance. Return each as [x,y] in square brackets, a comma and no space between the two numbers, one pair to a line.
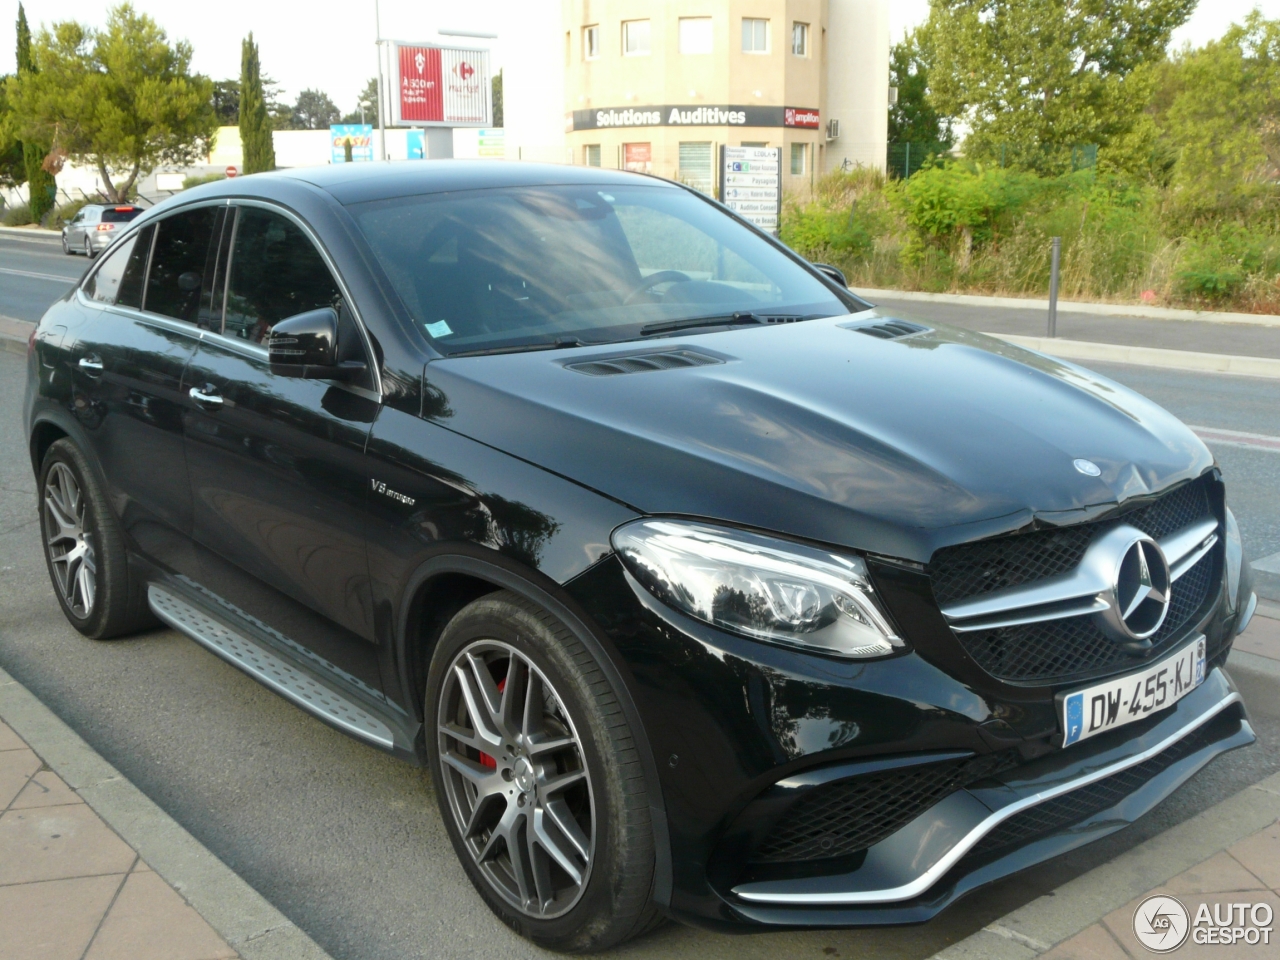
[1113,703]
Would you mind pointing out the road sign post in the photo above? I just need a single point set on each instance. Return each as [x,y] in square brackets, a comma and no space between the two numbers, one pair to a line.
[751,184]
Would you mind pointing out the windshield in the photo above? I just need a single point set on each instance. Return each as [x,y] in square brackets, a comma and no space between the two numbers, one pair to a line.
[120,214]
[527,266]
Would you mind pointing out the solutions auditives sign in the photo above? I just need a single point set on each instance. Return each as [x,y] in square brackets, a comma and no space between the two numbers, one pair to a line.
[444,86]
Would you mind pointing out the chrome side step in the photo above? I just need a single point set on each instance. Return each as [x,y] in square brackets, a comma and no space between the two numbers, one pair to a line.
[267,668]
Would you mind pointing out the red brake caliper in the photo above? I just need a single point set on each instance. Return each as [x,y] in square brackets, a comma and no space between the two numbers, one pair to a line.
[485,759]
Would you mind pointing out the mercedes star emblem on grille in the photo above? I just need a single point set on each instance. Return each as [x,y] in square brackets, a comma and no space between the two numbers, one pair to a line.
[1140,598]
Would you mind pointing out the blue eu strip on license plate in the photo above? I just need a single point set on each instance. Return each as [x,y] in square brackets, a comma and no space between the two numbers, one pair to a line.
[1113,703]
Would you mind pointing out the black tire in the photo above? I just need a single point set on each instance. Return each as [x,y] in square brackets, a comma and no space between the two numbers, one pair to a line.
[116,604]
[88,249]
[66,247]
[612,901]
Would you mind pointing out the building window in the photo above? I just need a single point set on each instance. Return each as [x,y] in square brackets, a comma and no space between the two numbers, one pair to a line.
[637,157]
[695,34]
[800,39]
[755,36]
[798,151]
[591,42]
[755,143]
[591,155]
[696,166]
[635,38]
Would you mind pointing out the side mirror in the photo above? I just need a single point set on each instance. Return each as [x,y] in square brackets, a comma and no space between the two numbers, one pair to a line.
[306,346]
[835,273]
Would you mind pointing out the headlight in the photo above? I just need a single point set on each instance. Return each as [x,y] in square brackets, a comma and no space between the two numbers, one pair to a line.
[759,587]
[1235,554]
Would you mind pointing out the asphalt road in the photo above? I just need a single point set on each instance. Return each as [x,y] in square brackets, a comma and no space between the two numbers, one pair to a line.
[34,272]
[348,843]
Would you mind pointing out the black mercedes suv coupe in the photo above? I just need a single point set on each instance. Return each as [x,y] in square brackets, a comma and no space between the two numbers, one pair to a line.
[702,587]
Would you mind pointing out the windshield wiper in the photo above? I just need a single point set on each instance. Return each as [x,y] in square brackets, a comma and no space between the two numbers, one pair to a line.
[517,348]
[723,320]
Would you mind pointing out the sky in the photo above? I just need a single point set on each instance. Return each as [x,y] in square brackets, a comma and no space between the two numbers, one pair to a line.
[328,45]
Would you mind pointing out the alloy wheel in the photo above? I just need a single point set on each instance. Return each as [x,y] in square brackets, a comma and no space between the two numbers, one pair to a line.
[69,543]
[516,779]
[88,248]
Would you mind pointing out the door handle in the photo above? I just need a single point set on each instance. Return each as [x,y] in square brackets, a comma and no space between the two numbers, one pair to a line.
[91,365]
[205,398]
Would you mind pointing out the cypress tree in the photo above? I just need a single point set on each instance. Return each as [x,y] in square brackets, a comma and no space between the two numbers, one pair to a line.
[255,126]
[42,188]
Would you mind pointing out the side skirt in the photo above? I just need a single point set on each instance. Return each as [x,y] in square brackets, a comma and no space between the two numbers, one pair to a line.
[242,644]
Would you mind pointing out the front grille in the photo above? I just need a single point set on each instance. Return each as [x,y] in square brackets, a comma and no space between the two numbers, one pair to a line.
[847,816]
[1075,648]
[1071,808]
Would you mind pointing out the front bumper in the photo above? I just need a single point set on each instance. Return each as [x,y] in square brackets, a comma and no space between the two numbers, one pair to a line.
[1010,822]
[732,722]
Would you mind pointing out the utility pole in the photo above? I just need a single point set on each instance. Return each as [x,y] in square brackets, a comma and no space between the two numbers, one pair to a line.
[1055,255]
[382,93]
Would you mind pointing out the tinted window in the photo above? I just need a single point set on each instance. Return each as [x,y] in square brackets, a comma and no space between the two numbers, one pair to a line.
[276,272]
[532,265]
[119,279]
[120,214]
[178,263]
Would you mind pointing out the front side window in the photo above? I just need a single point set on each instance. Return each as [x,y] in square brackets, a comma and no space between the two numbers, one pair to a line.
[276,272]
[800,39]
[798,151]
[521,266]
[591,42]
[755,35]
[695,35]
[118,280]
[635,38]
[178,263]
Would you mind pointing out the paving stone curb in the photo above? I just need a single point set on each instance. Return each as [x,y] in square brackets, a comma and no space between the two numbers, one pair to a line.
[242,916]
[1072,306]
[1037,927]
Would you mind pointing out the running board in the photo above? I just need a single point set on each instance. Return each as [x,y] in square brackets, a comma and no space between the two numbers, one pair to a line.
[267,668]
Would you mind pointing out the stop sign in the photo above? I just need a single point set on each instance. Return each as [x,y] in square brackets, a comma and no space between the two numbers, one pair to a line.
[232,171]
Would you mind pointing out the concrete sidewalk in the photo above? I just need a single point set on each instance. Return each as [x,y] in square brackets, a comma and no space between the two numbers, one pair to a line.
[91,869]
[1229,854]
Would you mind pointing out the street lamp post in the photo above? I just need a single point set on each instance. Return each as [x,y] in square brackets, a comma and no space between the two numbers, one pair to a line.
[382,94]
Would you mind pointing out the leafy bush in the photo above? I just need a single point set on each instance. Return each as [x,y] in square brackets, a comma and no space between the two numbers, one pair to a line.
[195,181]
[18,216]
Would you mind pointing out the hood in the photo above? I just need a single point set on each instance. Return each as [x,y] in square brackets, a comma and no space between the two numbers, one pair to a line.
[819,431]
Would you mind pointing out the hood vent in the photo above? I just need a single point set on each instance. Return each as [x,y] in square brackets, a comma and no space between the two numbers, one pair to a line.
[891,329]
[642,363]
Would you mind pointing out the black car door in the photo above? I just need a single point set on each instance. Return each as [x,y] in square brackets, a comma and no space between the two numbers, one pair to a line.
[277,464]
[127,361]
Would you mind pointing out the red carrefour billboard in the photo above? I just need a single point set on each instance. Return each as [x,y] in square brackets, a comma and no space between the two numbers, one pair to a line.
[441,85]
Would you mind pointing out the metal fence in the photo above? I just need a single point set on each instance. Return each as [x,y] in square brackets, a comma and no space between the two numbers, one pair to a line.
[905,158]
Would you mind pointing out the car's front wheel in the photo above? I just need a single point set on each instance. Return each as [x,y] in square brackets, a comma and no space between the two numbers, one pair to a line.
[84,549]
[538,778]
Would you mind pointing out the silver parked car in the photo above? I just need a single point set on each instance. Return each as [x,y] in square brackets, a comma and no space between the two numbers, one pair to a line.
[94,227]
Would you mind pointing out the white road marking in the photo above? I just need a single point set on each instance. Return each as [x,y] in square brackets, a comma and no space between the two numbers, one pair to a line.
[1238,438]
[39,276]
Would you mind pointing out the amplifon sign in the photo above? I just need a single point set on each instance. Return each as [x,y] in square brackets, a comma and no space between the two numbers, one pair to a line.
[679,115]
[445,86]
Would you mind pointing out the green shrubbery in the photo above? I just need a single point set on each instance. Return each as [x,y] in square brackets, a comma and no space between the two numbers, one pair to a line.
[19,216]
[965,227]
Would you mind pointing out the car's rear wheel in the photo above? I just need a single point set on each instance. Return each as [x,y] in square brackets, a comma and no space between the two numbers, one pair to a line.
[84,549]
[538,779]
[88,248]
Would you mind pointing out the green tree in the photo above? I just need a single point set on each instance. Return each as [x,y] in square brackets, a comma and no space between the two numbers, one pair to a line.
[1217,112]
[366,110]
[255,126]
[120,98]
[226,102]
[42,188]
[314,110]
[913,118]
[1034,78]
[496,87]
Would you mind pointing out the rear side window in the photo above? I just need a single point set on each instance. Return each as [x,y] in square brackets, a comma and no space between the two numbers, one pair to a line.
[276,272]
[119,279]
[178,263]
[120,214]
